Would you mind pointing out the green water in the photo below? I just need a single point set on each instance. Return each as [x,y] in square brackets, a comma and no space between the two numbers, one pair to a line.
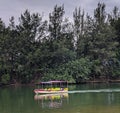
[97,98]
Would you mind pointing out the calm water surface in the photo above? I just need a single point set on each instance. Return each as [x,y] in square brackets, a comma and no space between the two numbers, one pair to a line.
[97,98]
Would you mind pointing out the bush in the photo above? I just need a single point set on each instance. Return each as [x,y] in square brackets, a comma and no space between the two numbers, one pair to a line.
[5,78]
[73,71]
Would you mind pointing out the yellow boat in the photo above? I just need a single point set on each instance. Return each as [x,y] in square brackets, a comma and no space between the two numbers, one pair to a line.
[54,87]
[51,96]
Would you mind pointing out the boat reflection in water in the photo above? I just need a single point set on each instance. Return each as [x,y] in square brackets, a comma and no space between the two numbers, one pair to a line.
[52,100]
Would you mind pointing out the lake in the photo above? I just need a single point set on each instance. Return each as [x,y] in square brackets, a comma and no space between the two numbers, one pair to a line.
[85,98]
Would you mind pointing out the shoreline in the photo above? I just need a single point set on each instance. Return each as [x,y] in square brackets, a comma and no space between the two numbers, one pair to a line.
[104,81]
[70,83]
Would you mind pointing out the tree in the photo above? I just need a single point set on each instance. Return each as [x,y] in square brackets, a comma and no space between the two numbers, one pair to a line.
[56,19]
[60,39]
[2,53]
[31,33]
[103,47]
[78,18]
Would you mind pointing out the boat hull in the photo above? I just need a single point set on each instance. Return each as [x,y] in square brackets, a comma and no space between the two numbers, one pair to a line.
[51,96]
[37,91]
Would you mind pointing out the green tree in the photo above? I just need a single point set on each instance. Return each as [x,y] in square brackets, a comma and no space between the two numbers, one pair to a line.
[103,47]
[2,53]
[78,26]
[60,39]
[31,32]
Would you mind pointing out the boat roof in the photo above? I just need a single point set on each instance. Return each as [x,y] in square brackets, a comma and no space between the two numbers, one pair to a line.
[55,81]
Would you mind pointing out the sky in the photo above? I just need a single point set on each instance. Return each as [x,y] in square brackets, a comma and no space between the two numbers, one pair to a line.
[15,8]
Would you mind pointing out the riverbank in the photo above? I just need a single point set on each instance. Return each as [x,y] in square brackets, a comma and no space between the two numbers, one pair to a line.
[104,81]
[82,82]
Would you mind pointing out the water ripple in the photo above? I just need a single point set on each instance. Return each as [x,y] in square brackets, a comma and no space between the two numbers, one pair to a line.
[95,91]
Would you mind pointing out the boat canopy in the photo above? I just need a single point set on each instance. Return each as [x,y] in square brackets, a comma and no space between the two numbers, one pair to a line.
[50,82]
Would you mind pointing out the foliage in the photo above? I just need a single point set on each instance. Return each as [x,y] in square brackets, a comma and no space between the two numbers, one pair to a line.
[73,71]
[5,79]
[37,49]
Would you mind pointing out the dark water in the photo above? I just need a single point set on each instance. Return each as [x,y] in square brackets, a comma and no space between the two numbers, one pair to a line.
[97,98]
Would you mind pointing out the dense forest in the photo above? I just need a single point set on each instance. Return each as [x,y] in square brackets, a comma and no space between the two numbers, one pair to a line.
[86,49]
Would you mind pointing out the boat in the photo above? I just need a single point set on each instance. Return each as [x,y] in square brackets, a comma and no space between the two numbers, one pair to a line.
[55,96]
[52,87]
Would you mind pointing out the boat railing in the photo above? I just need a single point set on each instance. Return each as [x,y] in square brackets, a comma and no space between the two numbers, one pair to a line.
[54,89]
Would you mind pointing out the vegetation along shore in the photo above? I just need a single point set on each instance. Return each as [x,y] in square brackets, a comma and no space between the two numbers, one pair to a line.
[86,49]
